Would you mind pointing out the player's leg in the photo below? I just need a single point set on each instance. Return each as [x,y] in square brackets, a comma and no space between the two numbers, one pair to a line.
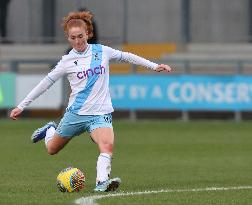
[55,143]
[40,133]
[104,138]
[56,137]
[103,135]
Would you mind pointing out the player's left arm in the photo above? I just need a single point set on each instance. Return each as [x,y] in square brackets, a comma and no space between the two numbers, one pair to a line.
[135,59]
[138,60]
[163,68]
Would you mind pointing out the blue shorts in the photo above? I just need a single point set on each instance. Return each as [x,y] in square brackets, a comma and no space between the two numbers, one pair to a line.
[72,124]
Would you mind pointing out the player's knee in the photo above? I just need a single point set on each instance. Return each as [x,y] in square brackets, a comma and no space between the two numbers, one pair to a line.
[52,151]
[107,147]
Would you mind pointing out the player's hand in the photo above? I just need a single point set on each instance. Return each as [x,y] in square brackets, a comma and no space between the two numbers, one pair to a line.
[15,113]
[163,68]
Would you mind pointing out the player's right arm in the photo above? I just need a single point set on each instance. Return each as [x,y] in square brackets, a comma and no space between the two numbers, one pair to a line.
[44,85]
[15,113]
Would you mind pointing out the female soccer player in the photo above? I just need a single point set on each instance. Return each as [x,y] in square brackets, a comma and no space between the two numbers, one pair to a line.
[89,108]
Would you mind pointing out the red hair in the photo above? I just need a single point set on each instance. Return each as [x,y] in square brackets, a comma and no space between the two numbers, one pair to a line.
[78,19]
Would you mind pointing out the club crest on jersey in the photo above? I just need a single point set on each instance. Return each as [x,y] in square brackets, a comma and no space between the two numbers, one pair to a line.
[76,62]
[99,70]
[96,56]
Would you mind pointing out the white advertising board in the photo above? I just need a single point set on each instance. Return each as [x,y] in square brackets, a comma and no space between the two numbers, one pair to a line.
[51,99]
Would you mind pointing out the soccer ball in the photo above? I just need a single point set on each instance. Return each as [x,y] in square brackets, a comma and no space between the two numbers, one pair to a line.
[70,180]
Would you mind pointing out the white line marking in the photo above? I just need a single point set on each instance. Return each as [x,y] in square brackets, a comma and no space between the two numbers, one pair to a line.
[90,200]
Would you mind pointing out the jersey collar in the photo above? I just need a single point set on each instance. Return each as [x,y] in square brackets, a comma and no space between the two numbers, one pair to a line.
[82,53]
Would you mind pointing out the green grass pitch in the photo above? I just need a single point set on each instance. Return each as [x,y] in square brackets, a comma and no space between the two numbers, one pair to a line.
[148,155]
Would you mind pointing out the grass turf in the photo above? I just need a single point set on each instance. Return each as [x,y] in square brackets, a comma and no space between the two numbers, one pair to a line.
[148,155]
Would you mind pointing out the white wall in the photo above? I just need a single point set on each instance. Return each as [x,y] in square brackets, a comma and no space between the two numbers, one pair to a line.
[219,20]
[24,20]
[147,20]
[51,99]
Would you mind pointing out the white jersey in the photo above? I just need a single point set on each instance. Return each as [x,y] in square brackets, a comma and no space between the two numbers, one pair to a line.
[88,75]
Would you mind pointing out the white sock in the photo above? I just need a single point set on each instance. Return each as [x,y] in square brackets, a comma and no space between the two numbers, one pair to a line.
[103,167]
[49,135]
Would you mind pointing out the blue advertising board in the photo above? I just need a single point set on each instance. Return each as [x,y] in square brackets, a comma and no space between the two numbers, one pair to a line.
[181,92]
